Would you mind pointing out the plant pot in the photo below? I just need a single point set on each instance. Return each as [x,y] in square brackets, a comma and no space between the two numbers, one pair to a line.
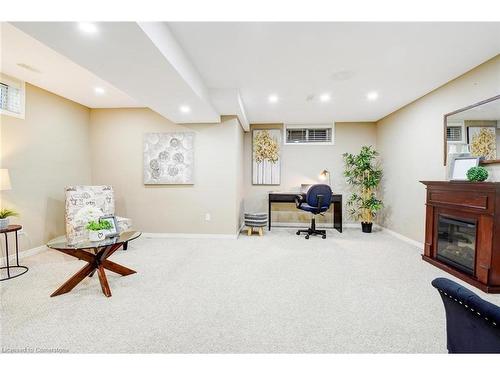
[4,223]
[97,235]
[366,227]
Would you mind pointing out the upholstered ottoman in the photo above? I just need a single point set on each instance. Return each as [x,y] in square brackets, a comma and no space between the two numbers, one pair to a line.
[255,221]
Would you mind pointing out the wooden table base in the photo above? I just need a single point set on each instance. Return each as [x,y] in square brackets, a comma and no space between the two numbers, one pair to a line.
[95,262]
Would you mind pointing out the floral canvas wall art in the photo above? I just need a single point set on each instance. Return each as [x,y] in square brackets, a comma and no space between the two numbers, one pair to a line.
[266,157]
[483,142]
[168,158]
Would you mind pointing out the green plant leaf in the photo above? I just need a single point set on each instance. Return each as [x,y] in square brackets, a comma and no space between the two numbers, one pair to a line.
[363,173]
[5,213]
[477,174]
[98,225]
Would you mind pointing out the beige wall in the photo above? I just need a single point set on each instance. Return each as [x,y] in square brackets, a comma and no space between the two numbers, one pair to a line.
[44,152]
[117,160]
[301,164]
[60,142]
[411,144]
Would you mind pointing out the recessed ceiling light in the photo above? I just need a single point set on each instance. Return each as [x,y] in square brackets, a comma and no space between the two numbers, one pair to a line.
[273,98]
[87,27]
[99,91]
[184,109]
[373,95]
[324,97]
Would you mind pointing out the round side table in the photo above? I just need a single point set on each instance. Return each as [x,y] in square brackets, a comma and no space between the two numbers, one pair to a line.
[8,267]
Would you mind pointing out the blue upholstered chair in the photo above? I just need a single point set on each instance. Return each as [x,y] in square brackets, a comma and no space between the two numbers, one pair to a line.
[472,324]
[317,201]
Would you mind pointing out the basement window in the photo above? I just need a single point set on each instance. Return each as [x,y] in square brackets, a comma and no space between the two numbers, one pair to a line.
[299,134]
[455,133]
[12,93]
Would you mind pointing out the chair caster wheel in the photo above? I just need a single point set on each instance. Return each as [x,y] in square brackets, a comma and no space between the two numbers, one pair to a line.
[298,233]
[323,236]
[307,236]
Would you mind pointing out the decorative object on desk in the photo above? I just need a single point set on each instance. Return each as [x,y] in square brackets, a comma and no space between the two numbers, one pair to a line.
[266,168]
[169,158]
[255,221]
[5,214]
[364,174]
[113,230]
[460,166]
[323,174]
[97,230]
[477,174]
[482,142]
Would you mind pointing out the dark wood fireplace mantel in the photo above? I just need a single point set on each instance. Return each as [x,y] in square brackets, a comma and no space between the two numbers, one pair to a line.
[477,205]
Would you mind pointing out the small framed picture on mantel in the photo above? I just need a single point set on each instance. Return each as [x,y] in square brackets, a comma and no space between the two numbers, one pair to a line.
[460,166]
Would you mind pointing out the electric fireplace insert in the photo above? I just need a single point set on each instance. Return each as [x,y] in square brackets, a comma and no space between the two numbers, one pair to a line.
[457,243]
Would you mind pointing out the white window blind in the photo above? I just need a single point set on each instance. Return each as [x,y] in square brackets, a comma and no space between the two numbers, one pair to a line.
[454,133]
[311,135]
[10,98]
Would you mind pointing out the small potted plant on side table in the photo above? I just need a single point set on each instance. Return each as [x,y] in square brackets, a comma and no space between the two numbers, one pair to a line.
[4,217]
[363,173]
[97,230]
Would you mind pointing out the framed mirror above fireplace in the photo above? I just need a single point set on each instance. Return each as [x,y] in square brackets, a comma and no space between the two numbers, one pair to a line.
[474,130]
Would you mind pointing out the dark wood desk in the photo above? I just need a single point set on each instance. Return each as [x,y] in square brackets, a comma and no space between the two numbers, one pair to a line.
[290,198]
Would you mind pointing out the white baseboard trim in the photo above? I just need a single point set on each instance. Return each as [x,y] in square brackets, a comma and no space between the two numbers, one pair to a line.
[408,240]
[24,254]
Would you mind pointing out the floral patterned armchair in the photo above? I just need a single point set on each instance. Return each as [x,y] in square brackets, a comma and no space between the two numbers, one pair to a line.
[86,203]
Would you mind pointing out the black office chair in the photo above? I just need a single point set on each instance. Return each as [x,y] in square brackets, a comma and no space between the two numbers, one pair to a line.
[317,201]
[472,324]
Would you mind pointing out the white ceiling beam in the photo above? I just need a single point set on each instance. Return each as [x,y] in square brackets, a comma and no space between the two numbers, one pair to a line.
[144,61]
[229,102]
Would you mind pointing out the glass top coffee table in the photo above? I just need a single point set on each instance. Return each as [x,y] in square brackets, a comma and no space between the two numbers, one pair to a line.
[96,255]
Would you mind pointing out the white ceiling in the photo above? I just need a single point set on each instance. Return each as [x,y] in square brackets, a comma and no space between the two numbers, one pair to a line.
[141,59]
[401,61]
[54,72]
[232,68]
[488,111]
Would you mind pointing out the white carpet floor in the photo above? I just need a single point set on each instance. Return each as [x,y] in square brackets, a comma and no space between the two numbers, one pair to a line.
[278,293]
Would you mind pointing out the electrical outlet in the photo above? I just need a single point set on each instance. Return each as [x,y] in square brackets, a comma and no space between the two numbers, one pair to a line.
[207,217]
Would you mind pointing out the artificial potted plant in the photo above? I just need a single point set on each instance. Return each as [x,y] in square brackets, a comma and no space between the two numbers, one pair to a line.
[477,174]
[97,230]
[4,217]
[364,174]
